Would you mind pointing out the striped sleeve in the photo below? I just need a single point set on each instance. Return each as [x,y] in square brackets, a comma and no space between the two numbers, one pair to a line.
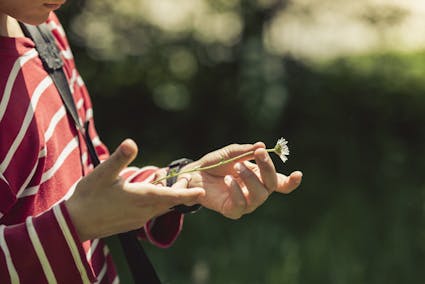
[43,249]
[163,230]
[16,121]
[37,241]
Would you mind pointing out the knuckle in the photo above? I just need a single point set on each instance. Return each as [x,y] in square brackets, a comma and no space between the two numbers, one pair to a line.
[232,146]
[227,150]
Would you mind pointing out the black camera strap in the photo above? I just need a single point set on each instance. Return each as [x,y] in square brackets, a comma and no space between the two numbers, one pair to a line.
[138,269]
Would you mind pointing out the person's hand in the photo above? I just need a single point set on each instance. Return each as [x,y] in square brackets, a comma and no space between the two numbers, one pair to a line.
[239,188]
[103,204]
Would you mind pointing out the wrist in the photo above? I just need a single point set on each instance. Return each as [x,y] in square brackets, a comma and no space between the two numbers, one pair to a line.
[78,220]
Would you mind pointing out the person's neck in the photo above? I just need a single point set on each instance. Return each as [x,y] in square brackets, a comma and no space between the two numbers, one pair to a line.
[9,27]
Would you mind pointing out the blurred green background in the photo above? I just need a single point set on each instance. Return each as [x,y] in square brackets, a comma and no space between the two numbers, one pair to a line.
[342,81]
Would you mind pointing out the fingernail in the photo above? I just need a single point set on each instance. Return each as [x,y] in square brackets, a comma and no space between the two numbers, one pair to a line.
[264,156]
[297,173]
[239,168]
[126,148]
[228,180]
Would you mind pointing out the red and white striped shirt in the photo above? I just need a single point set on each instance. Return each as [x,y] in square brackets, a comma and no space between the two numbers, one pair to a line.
[42,158]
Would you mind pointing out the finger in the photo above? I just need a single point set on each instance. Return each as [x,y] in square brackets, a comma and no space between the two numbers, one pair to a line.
[267,169]
[257,193]
[237,150]
[236,204]
[183,181]
[287,184]
[177,195]
[259,145]
[234,150]
[120,159]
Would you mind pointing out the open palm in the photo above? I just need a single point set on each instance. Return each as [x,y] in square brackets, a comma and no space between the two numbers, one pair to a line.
[240,187]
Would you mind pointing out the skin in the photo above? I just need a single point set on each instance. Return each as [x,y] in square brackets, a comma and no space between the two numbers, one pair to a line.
[32,12]
[239,188]
[103,204]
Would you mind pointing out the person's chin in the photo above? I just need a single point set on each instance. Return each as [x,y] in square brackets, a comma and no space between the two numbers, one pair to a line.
[36,19]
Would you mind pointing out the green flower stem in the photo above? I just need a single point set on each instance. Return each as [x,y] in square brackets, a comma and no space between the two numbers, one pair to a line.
[221,163]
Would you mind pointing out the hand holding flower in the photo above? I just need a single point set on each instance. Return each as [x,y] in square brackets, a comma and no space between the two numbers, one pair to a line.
[233,185]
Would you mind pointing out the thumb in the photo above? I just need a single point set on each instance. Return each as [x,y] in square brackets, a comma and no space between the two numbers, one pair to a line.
[120,159]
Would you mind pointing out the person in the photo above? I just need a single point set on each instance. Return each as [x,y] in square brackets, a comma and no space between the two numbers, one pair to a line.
[54,207]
